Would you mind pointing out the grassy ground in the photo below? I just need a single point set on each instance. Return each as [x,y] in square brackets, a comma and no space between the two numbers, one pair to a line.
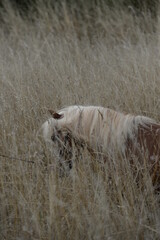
[53,62]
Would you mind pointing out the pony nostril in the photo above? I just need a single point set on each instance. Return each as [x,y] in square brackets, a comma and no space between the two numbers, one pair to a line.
[70,164]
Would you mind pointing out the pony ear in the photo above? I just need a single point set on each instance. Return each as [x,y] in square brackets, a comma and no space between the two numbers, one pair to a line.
[55,115]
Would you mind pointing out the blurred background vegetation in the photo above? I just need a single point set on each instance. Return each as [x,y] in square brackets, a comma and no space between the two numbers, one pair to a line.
[137,6]
[88,18]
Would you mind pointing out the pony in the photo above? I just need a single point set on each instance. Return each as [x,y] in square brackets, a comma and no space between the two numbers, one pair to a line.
[104,130]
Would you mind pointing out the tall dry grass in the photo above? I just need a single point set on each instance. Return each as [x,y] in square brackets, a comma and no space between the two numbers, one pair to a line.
[55,61]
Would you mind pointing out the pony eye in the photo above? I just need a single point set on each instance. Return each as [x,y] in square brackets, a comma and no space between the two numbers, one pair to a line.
[53,138]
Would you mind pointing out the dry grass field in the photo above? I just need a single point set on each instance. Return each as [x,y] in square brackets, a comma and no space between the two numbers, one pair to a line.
[51,62]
